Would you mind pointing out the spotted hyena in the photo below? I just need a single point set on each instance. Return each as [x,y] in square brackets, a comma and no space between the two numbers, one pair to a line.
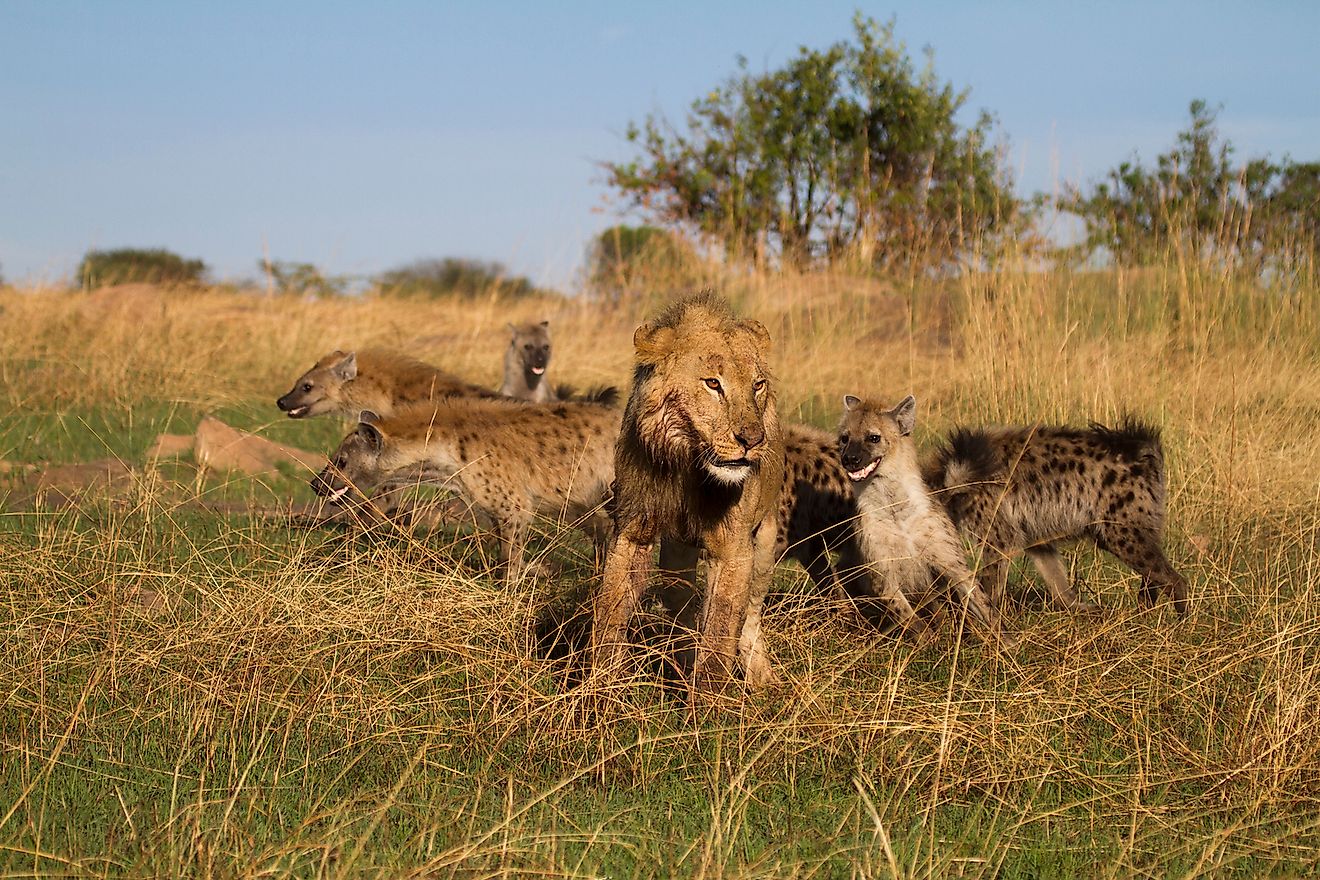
[1016,489]
[907,539]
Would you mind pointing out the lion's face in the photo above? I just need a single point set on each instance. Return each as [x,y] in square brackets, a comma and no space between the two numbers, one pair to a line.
[318,390]
[868,433]
[355,465]
[708,400]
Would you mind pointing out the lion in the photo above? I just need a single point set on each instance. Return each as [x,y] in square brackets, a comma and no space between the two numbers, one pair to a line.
[699,462]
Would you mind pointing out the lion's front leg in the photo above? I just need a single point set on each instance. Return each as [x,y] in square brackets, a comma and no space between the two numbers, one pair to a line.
[627,564]
[727,591]
[757,669]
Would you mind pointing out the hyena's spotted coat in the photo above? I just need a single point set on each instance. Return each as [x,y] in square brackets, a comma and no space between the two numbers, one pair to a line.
[1015,489]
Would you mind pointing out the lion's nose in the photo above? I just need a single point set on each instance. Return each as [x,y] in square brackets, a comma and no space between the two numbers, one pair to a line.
[750,437]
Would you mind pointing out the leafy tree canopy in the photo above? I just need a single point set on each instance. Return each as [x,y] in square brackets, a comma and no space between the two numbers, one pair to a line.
[847,152]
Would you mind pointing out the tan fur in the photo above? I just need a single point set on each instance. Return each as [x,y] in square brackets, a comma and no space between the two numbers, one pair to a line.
[700,461]
[378,380]
[906,536]
[528,351]
[1016,489]
[512,461]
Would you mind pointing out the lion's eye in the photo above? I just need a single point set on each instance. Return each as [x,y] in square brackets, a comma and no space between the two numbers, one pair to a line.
[307,386]
[758,386]
[713,384]
[872,438]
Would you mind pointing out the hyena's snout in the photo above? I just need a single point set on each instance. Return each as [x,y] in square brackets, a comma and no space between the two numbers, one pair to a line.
[329,484]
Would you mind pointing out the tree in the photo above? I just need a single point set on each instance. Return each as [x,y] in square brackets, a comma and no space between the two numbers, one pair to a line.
[134,265]
[453,276]
[845,152]
[1197,201]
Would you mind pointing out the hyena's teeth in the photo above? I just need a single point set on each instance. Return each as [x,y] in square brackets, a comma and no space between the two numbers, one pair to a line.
[858,476]
[338,493]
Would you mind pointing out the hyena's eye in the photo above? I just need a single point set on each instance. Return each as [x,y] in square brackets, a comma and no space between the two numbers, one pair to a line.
[872,438]
[307,386]
[529,346]
[713,384]
[843,439]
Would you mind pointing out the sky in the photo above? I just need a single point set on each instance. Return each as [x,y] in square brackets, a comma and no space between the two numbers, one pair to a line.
[361,137]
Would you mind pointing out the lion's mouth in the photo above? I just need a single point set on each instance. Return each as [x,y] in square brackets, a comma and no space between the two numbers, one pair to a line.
[858,476]
[731,463]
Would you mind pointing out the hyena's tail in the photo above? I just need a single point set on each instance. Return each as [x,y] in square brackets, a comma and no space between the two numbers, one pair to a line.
[962,465]
[601,395]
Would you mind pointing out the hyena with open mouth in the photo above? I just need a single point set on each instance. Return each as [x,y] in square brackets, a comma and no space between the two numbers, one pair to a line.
[346,383]
[1022,488]
[906,536]
[525,363]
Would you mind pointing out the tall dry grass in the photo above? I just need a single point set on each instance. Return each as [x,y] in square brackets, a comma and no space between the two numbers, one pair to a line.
[182,693]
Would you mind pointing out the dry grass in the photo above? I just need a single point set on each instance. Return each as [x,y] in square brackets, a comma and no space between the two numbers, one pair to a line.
[186,693]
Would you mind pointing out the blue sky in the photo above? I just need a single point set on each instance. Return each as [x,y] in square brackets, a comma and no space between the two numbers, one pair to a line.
[363,137]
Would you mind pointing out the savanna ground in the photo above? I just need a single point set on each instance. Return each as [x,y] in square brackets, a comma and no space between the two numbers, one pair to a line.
[188,689]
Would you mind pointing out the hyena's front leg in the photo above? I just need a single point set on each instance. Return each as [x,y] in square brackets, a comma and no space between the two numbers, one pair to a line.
[945,555]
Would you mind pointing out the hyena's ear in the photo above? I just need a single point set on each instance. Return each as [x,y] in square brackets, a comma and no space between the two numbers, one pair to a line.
[346,369]
[851,403]
[370,433]
[905,414]
[367,417]
[545,324]
[653,344]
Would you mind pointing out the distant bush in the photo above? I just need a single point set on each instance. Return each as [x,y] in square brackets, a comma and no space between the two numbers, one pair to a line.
[625,261]
[454,276]
[137,266]
[303,279]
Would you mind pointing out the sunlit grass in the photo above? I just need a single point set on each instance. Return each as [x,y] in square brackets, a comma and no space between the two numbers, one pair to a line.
[190,691]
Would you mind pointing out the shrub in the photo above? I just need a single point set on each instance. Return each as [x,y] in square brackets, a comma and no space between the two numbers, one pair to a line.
[453,276]
[134,265]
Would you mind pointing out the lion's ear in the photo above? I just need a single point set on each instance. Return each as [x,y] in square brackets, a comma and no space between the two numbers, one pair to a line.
[653,344]
[346,369]
[758,332]
[905,414]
